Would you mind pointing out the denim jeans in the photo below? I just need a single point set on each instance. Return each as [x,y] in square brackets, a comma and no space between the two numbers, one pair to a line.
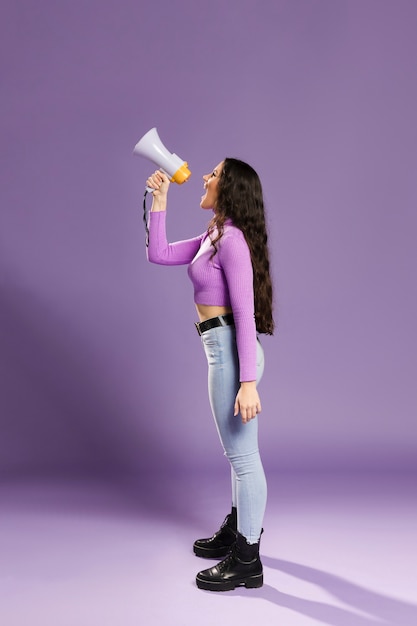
[239,441]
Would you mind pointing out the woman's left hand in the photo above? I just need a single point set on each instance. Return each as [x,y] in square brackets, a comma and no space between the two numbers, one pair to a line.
[247,401]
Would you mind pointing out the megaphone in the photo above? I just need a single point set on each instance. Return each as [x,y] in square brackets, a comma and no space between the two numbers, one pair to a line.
[152,148]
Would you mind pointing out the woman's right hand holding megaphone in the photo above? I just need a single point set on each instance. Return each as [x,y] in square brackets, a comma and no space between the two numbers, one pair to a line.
[159,183]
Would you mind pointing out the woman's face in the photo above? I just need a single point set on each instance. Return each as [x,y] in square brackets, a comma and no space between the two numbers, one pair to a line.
[211,181]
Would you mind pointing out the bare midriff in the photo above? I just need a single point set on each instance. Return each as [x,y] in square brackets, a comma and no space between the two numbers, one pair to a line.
[207,311]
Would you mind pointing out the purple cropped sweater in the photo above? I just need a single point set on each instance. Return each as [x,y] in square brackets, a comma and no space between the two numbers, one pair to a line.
[225,280]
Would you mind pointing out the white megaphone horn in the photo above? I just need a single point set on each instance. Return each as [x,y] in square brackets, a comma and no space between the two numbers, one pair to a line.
[152,148]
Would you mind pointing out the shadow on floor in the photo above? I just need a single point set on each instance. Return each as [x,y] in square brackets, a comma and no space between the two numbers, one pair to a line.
[382,610]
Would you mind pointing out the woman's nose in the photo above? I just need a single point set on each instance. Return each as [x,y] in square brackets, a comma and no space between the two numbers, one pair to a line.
[205,177]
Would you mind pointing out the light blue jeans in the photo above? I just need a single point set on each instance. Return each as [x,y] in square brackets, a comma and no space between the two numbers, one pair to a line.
[239,441]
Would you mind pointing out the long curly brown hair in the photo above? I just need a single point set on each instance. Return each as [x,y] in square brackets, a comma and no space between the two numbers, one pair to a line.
[240,198]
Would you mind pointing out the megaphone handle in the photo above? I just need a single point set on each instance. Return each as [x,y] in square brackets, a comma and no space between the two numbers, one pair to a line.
[150,190]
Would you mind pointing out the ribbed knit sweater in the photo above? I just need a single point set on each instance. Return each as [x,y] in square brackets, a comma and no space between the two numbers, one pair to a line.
[224,280]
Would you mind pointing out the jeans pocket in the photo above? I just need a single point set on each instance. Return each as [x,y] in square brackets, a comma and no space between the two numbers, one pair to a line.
[212,347]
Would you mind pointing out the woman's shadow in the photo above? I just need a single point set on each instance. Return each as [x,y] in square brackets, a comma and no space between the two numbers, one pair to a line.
[382,610]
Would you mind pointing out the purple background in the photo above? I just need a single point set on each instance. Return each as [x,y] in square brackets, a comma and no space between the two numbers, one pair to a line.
[101,368]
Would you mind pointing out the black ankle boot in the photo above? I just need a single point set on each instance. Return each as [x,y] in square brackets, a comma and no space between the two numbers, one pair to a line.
[221,542]
[241,567]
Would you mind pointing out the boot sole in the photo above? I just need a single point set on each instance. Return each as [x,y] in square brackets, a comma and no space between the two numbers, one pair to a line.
[252,582]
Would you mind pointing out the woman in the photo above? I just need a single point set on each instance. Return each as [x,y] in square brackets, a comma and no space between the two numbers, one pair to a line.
[229,268]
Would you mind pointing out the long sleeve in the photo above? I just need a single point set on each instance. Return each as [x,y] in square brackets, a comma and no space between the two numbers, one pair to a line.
[234,257]
[163,253]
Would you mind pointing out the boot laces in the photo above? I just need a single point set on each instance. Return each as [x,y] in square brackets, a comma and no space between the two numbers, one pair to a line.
[227,562]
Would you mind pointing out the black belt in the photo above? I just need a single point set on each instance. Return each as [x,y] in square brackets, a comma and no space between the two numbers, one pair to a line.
[214,322]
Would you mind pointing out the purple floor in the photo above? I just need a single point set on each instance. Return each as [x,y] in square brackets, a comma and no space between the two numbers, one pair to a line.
[338,551]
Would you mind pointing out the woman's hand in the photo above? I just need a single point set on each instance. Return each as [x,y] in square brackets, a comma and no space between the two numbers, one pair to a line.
[159,182]
[247,401]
